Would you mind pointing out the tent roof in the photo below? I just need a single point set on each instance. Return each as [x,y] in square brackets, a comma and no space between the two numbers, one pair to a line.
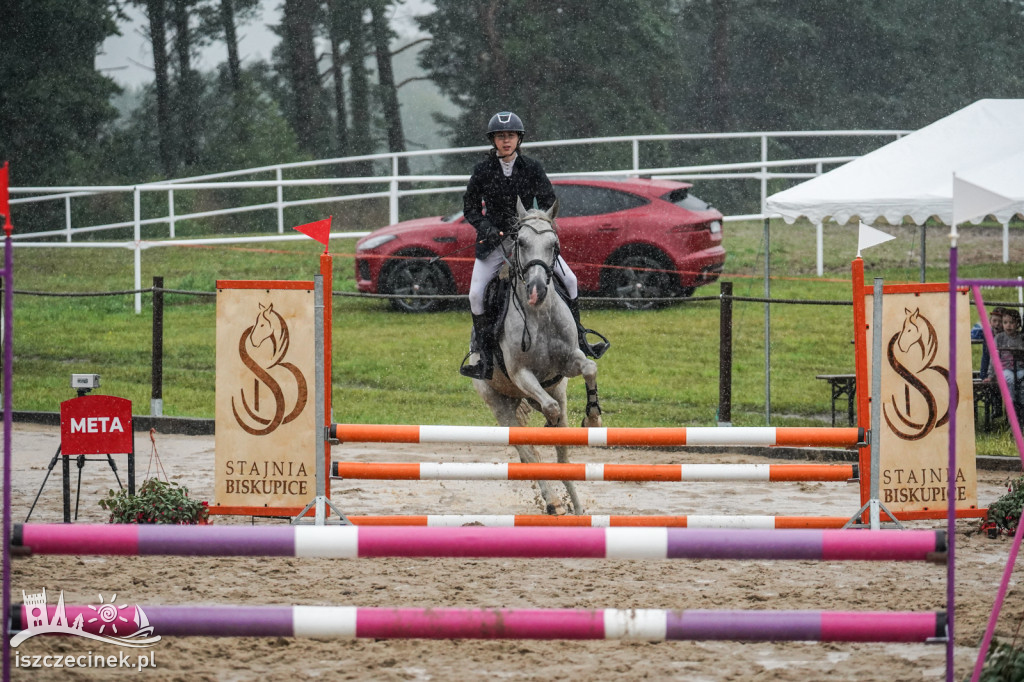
[913,176]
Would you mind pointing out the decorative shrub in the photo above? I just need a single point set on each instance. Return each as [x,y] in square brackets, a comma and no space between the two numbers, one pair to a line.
[1004,513]
[155,502]
[1003,663]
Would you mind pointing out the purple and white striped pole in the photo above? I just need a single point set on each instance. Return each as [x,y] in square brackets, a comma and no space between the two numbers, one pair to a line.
[455,623]
[350,542]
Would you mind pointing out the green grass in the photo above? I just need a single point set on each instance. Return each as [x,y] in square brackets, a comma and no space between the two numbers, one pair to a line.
[389,367]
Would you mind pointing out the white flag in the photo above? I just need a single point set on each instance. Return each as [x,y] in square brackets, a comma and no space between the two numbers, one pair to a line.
[971,202]
[869,236]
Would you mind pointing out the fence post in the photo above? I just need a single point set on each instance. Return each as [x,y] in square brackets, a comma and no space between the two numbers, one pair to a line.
[156,401]
[280,202]
[170,211]
[393,198]
[764,174]
[725,355]
[137,247]
[68,217]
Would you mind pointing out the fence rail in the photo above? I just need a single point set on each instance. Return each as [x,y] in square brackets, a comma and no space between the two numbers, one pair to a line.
[394,186]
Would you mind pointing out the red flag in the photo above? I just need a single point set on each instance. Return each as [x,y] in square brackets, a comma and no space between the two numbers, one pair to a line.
[5,198]
[320,230]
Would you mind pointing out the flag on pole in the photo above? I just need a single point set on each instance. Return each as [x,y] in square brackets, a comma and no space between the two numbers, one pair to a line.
[971,202]
[5,198]
[869,236]
[320,231]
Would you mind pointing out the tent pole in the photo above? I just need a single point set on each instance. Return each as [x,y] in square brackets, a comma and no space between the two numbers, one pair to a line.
[767,325]
[922,251]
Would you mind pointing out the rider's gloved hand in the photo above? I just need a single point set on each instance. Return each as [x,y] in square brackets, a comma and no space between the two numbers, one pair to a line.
[489,234]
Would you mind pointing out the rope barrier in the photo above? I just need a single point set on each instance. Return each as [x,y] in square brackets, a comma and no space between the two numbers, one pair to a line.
[458,297]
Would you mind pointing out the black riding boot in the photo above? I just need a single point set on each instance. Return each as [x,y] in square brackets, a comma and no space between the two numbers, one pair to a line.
[593,350]
[479,344]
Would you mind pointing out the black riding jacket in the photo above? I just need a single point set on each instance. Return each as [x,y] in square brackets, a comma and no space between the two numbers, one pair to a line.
[489,186]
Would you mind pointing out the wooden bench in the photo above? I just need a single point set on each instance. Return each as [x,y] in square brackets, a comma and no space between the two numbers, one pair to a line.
[842,386]
[986,396]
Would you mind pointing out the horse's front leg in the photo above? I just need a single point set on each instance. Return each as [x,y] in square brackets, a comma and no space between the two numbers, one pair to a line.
[528,384]
[592,414]
[582,365]
[562,451]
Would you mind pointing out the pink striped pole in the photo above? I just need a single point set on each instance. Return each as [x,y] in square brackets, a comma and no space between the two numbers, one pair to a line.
[455,623]
[517,471]
[402,541]
[604,521]
[765,436]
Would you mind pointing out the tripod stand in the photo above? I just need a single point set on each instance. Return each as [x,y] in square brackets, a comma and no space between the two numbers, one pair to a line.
[79,438]
[81,459]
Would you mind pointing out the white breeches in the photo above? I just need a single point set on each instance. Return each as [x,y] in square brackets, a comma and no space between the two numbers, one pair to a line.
[485,270]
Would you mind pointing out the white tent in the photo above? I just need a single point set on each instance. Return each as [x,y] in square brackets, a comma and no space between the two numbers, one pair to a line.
[913,176]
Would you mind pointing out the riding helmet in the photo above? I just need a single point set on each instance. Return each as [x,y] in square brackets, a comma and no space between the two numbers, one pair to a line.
[505,120]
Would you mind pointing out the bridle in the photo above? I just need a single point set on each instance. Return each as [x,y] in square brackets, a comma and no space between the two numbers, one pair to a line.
[519,269]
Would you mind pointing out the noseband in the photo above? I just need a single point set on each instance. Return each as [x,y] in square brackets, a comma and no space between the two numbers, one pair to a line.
[519,268]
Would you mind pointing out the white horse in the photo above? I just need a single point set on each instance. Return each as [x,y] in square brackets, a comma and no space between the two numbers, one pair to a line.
[540,347]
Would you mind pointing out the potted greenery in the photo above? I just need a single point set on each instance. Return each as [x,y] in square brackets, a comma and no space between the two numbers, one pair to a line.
[1004,513]
[156,502]
[1003,663]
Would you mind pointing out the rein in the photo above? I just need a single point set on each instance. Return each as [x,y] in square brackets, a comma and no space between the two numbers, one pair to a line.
[519,270]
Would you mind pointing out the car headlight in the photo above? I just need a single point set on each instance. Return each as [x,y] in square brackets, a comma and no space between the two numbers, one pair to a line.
[374,242]
[716,226]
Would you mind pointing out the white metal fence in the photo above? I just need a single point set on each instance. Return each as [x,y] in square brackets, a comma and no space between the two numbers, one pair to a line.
[395,186]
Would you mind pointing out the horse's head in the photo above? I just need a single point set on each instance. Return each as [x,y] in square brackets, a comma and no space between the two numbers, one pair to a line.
[535,251]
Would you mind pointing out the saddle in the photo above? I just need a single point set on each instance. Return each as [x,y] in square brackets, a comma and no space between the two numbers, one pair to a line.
[497,298]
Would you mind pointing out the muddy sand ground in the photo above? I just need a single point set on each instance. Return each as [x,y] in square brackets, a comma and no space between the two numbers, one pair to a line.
[487,583]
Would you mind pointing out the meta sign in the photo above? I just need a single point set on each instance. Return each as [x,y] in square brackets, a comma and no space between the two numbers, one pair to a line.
[96,425]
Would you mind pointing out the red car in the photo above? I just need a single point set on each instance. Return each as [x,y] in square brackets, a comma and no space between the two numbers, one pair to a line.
[632,239]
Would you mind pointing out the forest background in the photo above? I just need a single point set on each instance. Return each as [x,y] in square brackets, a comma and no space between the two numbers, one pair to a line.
[573,68]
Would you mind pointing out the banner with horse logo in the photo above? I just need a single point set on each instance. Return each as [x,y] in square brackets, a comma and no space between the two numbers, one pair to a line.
[915,409]
[265,416]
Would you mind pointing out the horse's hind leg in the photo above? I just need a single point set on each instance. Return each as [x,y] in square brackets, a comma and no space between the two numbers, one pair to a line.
[552,502]
[510,412]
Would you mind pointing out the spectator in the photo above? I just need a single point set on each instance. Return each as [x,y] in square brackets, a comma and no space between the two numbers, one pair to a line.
[1010,346]
[995,320]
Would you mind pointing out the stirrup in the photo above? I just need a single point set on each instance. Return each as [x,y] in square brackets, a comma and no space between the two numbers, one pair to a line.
[595,350]
[482,370]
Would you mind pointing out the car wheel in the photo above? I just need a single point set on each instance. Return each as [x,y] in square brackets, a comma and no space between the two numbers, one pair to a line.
[637,279]
[414,278]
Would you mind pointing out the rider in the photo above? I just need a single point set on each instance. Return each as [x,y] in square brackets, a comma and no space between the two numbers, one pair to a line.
[497,182]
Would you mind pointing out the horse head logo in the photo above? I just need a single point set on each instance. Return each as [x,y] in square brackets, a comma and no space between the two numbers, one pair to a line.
[911,354]
[270,329]
[262,348]
[917,335]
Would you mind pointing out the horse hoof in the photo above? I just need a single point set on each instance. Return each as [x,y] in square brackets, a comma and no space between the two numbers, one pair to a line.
[557,509]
